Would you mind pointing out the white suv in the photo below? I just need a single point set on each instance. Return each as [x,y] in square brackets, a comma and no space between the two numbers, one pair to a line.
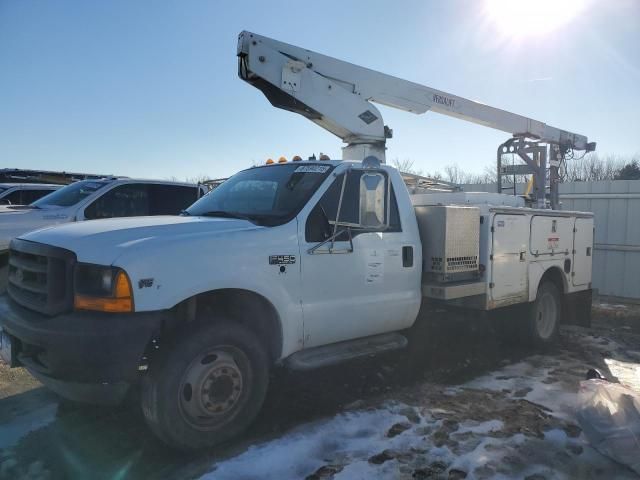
[94,199]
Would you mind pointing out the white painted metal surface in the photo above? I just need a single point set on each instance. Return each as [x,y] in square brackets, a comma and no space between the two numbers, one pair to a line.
[339,97]
[551,235]
[365,292]
[582,252]
[467,198]
[616,252]
[509,266]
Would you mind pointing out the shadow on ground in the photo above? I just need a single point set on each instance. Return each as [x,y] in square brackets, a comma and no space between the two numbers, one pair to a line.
[43,438]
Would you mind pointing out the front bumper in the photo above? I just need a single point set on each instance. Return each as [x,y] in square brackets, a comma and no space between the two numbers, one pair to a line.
[80,347]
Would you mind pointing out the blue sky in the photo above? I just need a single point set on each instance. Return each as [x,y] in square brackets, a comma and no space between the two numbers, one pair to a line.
[150,89]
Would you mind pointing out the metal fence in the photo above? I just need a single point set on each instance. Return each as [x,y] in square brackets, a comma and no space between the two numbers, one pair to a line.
[616,208]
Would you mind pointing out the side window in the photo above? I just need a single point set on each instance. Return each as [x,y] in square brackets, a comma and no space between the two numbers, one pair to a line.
[128,200]
[322,218]
[12,199]
[170,199]
[30,196]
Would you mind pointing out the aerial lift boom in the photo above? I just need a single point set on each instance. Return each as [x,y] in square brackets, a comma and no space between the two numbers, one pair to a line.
[339,96]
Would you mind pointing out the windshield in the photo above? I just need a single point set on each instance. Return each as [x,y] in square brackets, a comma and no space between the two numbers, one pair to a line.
[71,194]
[269,195]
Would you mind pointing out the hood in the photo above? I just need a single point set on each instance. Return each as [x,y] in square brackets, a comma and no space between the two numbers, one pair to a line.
[101,241]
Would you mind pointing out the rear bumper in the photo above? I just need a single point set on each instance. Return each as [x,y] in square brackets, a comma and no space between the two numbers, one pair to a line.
[80,347]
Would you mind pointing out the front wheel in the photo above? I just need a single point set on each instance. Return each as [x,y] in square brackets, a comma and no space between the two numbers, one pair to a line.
[544,315]
[207,387]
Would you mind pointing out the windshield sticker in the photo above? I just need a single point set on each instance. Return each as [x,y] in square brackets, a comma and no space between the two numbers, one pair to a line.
[312,169]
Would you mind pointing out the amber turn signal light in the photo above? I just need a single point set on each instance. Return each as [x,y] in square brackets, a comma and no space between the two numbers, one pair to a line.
[122,301]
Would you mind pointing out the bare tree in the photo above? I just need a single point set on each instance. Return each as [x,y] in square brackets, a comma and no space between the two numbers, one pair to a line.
[405,166]
[593,168]
[587,168]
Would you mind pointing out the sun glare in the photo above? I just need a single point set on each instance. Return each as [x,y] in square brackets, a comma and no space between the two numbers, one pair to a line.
[531,18]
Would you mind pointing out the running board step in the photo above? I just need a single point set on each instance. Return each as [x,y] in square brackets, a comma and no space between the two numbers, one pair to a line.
[339,352]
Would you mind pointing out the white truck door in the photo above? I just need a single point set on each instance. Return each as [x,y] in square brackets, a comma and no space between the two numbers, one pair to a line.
[356,294]
[510,236]
[582,251]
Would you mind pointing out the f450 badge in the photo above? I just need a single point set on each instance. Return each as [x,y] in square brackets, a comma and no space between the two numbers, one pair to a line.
[282,259]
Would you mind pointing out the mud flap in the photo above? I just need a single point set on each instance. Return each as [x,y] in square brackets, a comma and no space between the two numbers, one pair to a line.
[576,308]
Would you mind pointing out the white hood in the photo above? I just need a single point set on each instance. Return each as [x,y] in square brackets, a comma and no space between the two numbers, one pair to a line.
[102,241]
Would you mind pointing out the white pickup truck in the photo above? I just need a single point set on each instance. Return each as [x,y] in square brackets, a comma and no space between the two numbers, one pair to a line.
[93,199]
[303,263]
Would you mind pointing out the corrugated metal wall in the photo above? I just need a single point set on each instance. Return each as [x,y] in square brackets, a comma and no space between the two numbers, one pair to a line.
[616,208]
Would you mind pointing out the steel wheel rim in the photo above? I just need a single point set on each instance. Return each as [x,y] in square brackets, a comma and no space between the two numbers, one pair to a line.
[212,387]
[546,315]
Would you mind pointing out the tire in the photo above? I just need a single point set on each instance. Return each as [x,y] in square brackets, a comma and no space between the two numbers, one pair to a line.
[206,387]
[544,315]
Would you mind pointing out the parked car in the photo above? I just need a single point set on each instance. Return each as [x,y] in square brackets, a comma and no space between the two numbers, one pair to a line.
[24,193]
[95,199]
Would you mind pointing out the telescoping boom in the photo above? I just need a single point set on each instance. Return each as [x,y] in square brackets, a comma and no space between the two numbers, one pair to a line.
[339,97]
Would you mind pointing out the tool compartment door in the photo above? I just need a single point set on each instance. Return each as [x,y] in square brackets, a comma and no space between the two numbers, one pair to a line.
[510,236]
[551,235]
[582,251]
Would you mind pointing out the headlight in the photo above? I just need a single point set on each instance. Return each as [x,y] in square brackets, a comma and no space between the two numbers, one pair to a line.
[106,289]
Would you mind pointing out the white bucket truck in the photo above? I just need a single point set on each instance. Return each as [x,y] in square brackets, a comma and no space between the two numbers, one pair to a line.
[306,263]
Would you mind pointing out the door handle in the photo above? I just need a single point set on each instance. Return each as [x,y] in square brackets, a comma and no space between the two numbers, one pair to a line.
[407,256]
[523,255]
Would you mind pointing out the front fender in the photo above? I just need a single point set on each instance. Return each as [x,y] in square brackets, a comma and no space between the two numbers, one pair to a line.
[163,275]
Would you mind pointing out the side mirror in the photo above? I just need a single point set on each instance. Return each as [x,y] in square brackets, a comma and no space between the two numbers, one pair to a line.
[374,204]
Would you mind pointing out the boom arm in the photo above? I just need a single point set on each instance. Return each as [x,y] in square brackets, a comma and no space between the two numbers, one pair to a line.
[339,97]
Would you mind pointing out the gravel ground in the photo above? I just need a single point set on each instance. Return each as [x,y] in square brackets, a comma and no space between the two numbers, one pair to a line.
[464,405]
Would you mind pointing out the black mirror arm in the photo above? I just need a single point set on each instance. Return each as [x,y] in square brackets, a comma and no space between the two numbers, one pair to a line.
[332,239]
[335,225]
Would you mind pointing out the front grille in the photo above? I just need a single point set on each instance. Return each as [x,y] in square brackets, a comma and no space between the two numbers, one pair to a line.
[40,276]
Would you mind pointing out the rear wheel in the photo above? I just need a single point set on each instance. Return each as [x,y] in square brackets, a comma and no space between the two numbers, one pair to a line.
[544,315]
[207,387]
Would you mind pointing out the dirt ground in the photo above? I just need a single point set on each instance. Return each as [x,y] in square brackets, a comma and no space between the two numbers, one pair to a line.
[464,405]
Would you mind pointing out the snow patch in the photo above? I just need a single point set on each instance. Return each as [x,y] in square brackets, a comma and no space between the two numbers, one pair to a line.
[347,438]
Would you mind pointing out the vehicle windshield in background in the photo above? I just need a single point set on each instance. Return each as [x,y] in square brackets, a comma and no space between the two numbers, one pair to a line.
[71,194]
[270,195]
